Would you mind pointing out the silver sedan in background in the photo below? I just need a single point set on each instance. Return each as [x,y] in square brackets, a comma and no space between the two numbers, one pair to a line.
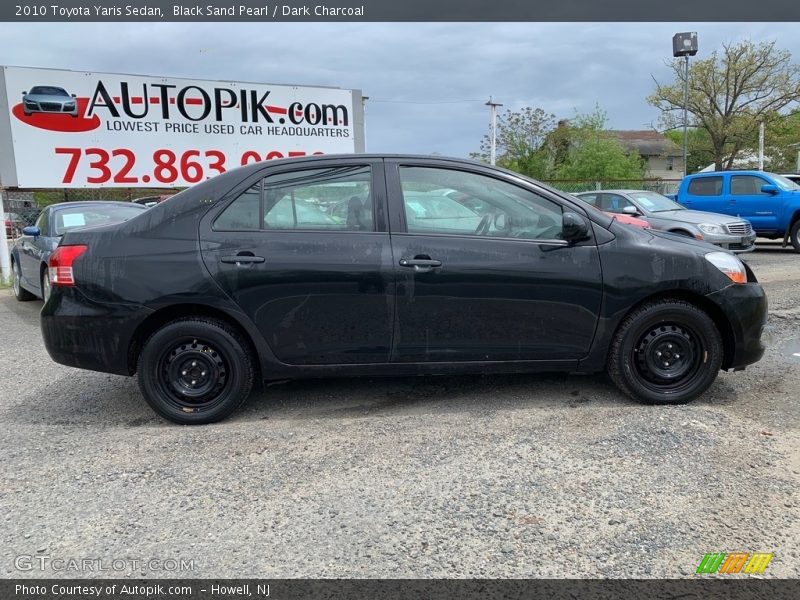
[730,233]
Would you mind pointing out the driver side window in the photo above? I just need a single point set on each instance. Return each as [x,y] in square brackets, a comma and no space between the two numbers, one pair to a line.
[448,201]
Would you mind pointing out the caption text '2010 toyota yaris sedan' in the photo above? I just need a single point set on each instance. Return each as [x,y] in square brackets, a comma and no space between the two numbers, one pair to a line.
[375,265]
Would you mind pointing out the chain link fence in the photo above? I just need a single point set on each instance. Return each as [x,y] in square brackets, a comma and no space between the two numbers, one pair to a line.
[574,186]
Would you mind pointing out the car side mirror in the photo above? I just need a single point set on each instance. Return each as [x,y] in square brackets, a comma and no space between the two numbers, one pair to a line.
[630,210]
[769,188]
[31,230]
[24,93]
[74,95]
[574,227]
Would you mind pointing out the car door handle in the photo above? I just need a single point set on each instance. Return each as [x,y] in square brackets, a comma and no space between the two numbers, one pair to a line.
[239,259]
[420,264]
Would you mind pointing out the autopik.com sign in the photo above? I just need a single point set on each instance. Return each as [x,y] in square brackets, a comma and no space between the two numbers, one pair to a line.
[74,129]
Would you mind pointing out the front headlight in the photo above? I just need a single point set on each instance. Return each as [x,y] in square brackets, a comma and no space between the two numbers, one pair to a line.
[728,264]
[711,228]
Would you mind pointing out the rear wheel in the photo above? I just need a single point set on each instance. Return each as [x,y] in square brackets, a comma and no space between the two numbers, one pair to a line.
[46,287]
[195,370]
[794,235]
[20,293]
[665,352]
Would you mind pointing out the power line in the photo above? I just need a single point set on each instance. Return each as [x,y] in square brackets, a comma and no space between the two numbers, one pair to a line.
[440,102]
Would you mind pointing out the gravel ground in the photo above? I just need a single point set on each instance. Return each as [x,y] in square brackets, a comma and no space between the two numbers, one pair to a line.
[506,476]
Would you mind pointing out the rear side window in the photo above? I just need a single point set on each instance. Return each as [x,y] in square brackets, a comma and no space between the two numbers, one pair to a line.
[706,186]
[328,199]
[747,185]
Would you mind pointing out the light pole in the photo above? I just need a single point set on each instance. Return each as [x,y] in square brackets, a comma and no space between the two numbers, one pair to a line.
[685,44]
[493,152]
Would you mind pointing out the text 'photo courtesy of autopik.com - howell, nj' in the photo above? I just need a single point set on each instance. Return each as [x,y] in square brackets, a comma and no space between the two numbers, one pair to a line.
[366,300]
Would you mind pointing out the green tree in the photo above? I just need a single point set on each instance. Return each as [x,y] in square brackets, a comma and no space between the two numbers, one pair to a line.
[593,153]
[520,138]
[729,93]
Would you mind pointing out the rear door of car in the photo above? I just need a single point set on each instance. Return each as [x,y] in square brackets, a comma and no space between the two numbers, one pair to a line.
[467,288]
[320,288]
[746,200]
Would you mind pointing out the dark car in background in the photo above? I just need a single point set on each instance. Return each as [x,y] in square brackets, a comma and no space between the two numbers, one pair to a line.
[31,252]
[245,277]
[49,99]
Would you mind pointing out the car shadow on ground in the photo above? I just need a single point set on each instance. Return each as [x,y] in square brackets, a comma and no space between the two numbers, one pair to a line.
[96,399]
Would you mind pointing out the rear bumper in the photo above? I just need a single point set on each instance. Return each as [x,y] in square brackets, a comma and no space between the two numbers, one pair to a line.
[79,332]
[745,306]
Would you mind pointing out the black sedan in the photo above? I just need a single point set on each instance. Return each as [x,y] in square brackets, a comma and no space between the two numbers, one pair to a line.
[31,252]
[244,277]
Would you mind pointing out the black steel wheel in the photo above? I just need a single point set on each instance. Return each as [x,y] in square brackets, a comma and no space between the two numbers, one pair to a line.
[666,352]
[195,371]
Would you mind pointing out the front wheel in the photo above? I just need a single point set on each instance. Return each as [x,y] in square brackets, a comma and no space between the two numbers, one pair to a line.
[794,235]
[665,352]
[195,370]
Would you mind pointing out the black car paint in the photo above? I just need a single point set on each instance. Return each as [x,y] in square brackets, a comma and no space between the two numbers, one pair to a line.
[164,264]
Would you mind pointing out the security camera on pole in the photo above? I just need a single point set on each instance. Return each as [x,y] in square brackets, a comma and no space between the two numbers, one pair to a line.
[685,44]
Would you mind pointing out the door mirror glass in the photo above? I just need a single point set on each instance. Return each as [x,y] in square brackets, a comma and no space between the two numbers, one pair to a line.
[575,227]
[31,230]
[768,188]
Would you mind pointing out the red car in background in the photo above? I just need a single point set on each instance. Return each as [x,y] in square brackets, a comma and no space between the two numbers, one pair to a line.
[628,220]
[13,224]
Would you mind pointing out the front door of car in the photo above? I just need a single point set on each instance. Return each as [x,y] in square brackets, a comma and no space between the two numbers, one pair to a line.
[748,201]
[305,253]
[488,282]
[31,251]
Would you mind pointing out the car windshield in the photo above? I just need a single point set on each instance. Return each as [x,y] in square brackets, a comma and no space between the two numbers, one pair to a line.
[90,215]
[655,202]
[44,90]
[785,183]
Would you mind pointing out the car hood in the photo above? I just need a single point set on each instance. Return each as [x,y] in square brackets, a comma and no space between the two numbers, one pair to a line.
[695,217]
[46,98]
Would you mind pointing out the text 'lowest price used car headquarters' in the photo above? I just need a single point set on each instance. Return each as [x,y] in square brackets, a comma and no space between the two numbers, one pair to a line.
[374,265]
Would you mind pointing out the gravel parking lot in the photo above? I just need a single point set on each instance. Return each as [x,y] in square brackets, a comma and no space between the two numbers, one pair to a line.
[502,476]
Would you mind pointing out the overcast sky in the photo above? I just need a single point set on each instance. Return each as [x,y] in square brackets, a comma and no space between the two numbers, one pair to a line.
[427,82]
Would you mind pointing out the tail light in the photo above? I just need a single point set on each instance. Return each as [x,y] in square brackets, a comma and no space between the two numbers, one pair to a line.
[60,264]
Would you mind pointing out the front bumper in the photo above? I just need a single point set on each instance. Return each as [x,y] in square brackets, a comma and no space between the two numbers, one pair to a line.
[745,306]
[734,243]
[79,332]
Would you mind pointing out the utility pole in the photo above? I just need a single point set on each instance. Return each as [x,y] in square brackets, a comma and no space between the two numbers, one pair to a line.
[493,107]
[685,45]
[761,145]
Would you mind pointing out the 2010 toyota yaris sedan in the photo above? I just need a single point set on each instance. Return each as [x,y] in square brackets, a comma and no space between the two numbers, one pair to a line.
[248,276]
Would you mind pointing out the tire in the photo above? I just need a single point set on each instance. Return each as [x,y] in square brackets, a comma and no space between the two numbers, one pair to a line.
[46,288]
[665,352]
[20,293]
[195,371]
[794,235]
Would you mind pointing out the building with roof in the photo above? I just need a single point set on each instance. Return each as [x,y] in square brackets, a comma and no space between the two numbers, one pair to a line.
[663,157]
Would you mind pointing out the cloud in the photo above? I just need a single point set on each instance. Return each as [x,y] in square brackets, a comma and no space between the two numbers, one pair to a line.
[427,81]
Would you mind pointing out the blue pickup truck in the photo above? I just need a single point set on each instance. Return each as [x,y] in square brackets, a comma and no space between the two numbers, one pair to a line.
[770,202]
